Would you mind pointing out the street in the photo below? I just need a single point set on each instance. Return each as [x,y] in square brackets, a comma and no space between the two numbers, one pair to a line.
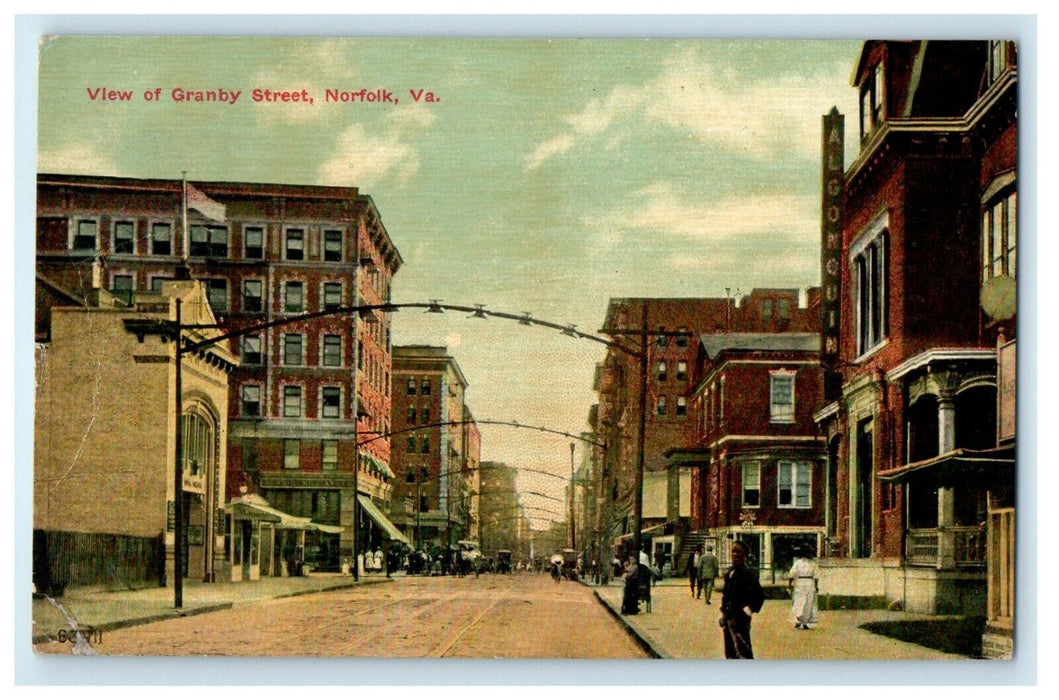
[493,616]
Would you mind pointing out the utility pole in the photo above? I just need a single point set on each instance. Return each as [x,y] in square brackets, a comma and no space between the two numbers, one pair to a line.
[178,476]
[637,509]
[573,516]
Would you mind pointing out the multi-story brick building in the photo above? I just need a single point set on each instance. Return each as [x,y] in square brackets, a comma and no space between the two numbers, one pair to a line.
[757,457]
[431,446]
[928,251]
[499,510]
[674,327]
[305,387]
[104,440]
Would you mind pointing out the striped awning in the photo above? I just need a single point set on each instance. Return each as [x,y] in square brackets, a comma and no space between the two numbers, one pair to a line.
[381,520]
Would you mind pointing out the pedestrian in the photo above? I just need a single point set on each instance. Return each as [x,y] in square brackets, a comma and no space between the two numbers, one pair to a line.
[615,566]
[708,571]
[630,601]
[691,570]
[804,582]
[741,598]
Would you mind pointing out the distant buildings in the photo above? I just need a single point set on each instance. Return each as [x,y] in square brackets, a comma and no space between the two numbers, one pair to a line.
[499,510]
[436,447]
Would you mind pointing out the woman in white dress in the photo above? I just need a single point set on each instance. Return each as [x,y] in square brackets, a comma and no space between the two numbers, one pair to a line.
[803,578]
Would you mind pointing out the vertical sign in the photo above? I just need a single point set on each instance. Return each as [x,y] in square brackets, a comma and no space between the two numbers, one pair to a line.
[1007,385]
[833,170]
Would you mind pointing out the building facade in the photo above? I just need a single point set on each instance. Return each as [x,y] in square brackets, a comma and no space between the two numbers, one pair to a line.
[755,450]
[916,461]
[104,496]
[434,452]
[499,510]
[306,388]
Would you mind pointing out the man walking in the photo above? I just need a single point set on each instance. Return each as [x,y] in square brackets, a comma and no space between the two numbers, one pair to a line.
[741,598]
[708,571]
[691,569]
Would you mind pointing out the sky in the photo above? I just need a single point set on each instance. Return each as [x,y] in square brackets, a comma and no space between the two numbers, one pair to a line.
[541,176]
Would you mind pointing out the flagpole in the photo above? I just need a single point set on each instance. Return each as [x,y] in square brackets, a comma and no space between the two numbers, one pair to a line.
[184,213]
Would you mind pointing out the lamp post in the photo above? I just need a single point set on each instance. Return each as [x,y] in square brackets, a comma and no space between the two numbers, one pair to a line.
[573,516]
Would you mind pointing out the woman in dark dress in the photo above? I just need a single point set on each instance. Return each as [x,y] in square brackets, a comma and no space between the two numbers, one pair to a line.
[630,602]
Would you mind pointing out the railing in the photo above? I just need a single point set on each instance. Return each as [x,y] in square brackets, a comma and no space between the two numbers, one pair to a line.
[923,547]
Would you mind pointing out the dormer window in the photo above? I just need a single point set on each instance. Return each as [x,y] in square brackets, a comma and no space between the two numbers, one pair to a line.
[872,103]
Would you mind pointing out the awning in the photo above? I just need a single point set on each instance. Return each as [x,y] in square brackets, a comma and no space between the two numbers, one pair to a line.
[254,507]
[381,520]
[985,467]
[380,466]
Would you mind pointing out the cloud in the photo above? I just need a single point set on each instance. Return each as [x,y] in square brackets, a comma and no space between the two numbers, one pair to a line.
[658,210]
[762,118]
[76,159]
[364,160]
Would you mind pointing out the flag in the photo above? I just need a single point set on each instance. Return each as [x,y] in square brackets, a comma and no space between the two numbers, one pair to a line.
[197,200]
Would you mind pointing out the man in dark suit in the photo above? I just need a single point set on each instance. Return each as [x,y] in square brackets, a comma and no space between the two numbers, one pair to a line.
[741,599]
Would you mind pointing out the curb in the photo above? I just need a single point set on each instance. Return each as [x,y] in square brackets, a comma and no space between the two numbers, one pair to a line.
[213,607]
[641,638]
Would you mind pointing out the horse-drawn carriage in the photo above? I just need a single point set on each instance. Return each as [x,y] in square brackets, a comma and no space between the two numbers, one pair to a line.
[503,561]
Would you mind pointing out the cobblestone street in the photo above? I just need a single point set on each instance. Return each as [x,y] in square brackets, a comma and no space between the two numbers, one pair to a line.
[493,616]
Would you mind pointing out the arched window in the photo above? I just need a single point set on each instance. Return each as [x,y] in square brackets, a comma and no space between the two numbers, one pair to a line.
[198,445]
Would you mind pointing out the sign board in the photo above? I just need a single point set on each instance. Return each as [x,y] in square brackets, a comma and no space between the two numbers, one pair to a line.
[1006,385]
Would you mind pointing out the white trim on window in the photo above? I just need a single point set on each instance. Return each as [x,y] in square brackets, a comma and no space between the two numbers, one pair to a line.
[322,406]
[798,483]
[264,240]
[74,232]
[301,350]
[287,249]
[114,236]
[284,404]
[152,226]
[782,395]
[750,481]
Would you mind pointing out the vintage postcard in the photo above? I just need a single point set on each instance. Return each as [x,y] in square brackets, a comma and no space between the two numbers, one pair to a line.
[526,348]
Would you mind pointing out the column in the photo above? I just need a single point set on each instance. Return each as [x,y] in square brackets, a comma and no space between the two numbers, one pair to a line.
[946,511]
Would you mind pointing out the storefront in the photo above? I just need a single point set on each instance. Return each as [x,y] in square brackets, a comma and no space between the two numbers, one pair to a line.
[268,542]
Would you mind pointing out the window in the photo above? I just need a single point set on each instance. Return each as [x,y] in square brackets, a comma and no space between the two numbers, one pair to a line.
[254,242]
[766,309]
[330,458]
[332,353]
[292,348]
[783,308]
[411,446]
[411,415]
[332,295]
[998,59]
[999,236]
[869,257]
[124,237]
[251,349]
[781,397]
[424,446]
[332,402]
[661,371]
[424,504]
[156,284]
[252,290]
[682,406]
[292,454]
[161,239]
[251,400]
[682,339]
[85,235]
[425,387]
[682,370]
[872,103]
[217,293]
[293,297]
[794,485]
[662,338]
[294,246]
[424,415]
[411,386]
[410,475]
[292,402]
[121,284]
[332,245]
[661,406]
[209,241]
[751,484]
[198,446]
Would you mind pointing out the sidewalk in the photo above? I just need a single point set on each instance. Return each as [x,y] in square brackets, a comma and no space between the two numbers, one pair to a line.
[682,627]
[103,610]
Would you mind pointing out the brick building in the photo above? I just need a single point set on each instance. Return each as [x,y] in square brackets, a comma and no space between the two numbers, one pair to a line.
[917,464]
[674,327]
[434,452]
[304,387]
[756,456]
[104,440]
[499,509]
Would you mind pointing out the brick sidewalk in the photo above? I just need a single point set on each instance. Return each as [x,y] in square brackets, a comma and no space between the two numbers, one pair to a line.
[682,627]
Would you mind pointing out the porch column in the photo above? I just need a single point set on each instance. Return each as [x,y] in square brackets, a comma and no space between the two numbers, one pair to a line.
[946,511]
